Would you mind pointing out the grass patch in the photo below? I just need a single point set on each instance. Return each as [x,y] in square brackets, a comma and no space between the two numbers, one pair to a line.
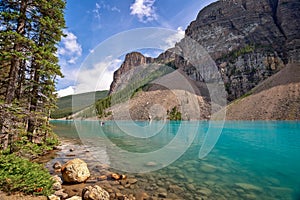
[20,175]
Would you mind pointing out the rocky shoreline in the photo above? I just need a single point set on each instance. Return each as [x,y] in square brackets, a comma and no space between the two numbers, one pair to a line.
[76,180]
[188,180]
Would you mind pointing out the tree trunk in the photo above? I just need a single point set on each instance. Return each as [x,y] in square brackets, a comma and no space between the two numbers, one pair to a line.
[15,62]
[34,100]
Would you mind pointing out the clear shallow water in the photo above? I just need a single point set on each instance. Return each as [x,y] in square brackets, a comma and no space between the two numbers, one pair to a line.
[251,160]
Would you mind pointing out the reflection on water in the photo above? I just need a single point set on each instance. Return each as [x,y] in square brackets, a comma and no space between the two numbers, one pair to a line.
[252,160]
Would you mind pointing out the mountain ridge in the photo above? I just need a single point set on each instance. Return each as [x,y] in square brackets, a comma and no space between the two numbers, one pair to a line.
[249,43]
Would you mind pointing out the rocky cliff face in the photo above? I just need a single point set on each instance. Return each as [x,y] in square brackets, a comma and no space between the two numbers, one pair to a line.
[132,60]
[276,98]
[249,42]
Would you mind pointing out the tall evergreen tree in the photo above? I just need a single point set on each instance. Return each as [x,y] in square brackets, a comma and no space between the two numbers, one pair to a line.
[29,33]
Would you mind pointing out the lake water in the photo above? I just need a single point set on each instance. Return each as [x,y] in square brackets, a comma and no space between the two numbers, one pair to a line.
[251,160]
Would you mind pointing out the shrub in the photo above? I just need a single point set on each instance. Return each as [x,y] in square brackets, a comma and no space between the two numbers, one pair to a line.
[20,175]
[174,114]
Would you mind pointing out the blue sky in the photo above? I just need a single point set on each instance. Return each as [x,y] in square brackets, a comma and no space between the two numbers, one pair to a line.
[91,22]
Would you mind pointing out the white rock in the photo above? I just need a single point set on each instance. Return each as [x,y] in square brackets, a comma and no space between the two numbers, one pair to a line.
[94,193]
[53,197]
[75,171]
[75,198]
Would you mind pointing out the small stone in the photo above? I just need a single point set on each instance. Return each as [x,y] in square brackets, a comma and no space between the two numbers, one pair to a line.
[102,178]
[119,195]
[161,190]
[123,182]
[173,196]
[61,194]
[163,195]
[56,186]
[56,165]
[57,148]
[247,186]
[142,196]
[175,189]
[120,187]
[53,197]
[180,176]
[75,198]
[151,164]
[115,176]
[94,193]
[57,179]
[70,155]
[132,187]
[123,176]
[191,187]
[132,181]
[250,196]
[205,191]
[208,168]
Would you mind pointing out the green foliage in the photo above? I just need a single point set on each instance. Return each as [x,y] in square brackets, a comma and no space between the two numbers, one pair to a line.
[64,104]
[20,175]
[239,52]
[30,33]
[30,149]
[174,114]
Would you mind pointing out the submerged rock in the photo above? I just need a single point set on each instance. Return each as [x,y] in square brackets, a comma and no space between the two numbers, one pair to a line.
[151,164]
[205,191]
[247,186]
[208,168]
[142,196]
[75,171]
[95,193]
[175,189]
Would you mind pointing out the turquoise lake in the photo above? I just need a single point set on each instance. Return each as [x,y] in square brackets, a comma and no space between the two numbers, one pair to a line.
[251,160]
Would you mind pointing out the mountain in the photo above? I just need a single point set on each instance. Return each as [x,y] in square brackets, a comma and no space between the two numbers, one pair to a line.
[70,104]
[247,42]
[276,98]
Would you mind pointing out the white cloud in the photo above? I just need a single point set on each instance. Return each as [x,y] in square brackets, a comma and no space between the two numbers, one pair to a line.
[70,49]
[173,39]
[144,10]
[99,77]
[65,92]
[114,8]
[98,10]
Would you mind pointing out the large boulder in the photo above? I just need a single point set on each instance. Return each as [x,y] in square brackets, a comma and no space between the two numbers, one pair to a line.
[94,193]
[75,171]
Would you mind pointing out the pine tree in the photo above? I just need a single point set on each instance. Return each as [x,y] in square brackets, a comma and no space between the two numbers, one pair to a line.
[29,33]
